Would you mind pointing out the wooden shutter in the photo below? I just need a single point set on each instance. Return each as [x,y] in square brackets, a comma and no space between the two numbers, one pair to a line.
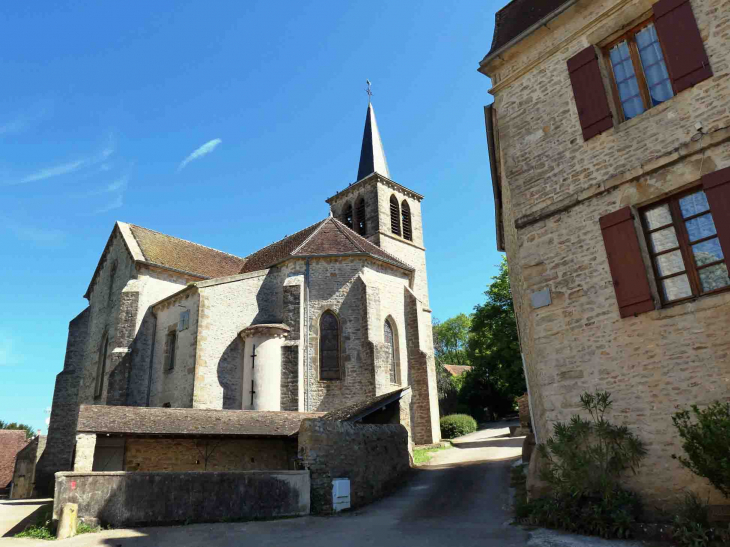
[717,190]
[590,94]
[684,51]
[626,263]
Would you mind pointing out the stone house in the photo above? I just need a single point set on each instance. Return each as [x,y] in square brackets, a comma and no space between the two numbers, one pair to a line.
[334,314]
[609,147]
[25,465]
[12,441]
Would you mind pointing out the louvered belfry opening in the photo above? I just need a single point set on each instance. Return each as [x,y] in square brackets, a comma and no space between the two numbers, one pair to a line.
[406,214]
[360,215]
[347,216]
[394,216]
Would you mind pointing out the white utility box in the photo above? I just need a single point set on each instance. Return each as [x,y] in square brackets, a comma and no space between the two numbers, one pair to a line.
[340,494]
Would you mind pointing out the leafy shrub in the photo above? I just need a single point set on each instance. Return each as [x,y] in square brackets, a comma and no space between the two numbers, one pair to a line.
[43,527]
[457,425]
[585,458]
[692,525]
[609,517]
[706,443]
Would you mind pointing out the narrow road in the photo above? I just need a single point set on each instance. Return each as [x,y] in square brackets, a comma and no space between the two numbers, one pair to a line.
[459,499]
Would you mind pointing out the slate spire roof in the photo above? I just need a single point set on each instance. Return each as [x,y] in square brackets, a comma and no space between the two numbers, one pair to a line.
[328,237]
[372,155]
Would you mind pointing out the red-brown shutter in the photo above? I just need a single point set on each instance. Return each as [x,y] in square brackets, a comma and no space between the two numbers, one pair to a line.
[626,263]
[590,94]
[717,190]
[678,32]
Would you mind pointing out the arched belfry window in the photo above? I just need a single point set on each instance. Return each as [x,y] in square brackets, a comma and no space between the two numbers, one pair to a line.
[329,347]
[101,366]
[347,215]
[390,344]
[394,216]
[406,214]
[360,216]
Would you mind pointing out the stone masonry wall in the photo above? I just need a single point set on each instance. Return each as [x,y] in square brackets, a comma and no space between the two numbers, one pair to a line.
[58,453]
[290,378]
[556,187]
[175,386]
[222,454]
[374,457]
[25,469]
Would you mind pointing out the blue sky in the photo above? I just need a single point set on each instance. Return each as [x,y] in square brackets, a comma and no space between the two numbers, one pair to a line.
[103,104]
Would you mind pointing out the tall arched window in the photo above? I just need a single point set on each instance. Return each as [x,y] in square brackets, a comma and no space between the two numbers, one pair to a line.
[329,347]
[406,214]
[390,350]
[347,215]
[360,216]
[394,216]
[101,366]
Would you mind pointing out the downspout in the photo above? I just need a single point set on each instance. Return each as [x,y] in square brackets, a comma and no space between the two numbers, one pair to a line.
[306,337]
[152,358]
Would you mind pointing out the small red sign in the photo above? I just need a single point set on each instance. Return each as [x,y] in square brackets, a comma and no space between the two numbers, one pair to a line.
[73,485]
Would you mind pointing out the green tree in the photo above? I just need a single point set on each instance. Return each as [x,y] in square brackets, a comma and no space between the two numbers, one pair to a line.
[450,340]
[29,431]
[493,350]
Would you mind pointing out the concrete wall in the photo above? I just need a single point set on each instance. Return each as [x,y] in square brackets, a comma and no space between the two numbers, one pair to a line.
[25,465]
[374,457]
[555,188]
[123,499]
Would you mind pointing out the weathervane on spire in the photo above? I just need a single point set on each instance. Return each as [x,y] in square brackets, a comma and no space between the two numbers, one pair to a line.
[368,90]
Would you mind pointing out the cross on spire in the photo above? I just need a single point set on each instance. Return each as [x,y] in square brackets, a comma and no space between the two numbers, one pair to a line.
[369,91]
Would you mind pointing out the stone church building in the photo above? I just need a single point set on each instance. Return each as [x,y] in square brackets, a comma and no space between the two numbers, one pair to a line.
[331,315]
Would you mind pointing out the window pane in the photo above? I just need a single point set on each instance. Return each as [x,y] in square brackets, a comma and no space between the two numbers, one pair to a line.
[700,227]
[694,204]
[670,263]
[707,251]
[628,86]
[714,277]
[658,216]
[652,61]
[676,287]
[663,240]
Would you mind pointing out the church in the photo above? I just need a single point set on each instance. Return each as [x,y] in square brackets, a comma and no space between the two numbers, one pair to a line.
[330,316]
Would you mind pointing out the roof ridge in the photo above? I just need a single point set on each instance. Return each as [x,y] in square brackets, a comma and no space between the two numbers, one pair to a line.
[310,236]
[344,232]
[185,240]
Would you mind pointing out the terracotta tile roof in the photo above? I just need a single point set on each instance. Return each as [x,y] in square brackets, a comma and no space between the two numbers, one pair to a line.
[189,421]
[184,255]
[517,16]
[327,237]
[12,441]
[363,407]
[457,370]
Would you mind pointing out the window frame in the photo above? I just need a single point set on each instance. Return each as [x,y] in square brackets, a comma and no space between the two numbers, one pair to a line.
[685,247]
[171,347]
[630,37]
[338,338]
[394,373]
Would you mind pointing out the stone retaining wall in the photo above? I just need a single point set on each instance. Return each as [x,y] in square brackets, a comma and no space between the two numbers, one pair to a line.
[374,457]
[130,499]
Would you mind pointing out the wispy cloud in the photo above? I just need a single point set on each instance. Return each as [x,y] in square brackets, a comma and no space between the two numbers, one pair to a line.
[50,172]
[25,120]
[41,236]
[207,148]
[116,203]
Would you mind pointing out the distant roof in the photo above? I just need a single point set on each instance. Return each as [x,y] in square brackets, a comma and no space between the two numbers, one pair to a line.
[186,256]
[457,370]
[12,441]
[518,16]
[189,421]
[362,408]
[327,237]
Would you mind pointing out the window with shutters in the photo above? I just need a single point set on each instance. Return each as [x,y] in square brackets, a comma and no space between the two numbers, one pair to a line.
[685,249]
[406,215]
[101,365]
[170,348]
[639,75]
[329,347]
[394,216]
[347,215]
[390,349]
[360,216]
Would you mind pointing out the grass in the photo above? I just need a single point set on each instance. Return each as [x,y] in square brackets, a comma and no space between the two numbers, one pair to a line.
[423,455]
[518,481]
[43,528]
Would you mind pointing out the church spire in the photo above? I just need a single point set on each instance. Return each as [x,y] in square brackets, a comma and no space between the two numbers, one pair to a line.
[372,155]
